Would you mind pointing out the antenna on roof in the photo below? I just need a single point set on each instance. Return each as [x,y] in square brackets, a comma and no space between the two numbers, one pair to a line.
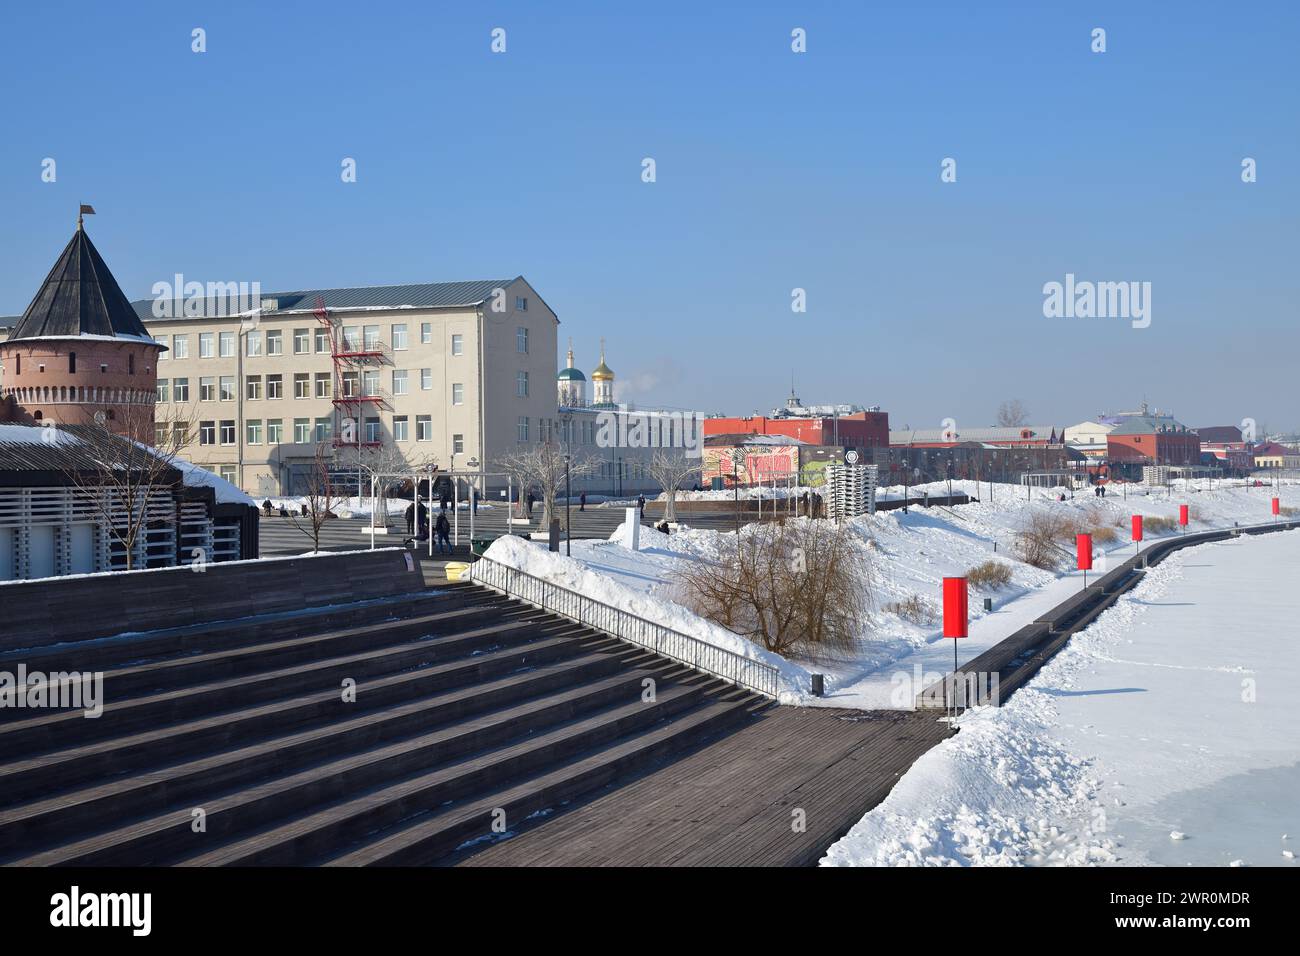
[85,210]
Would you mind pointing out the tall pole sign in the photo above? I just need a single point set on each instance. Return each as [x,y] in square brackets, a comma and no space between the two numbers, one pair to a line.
[1137,533]
[1083,552]
[1182,517]
[956,623]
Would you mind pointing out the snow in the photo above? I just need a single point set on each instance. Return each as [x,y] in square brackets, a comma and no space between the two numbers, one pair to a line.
[910,555]
[35,435]
[195,476]
[1156,736]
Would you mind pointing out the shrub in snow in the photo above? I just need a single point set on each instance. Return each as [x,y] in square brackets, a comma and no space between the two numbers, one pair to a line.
[788,586]
[990,574]
[1038,542]
[915,609]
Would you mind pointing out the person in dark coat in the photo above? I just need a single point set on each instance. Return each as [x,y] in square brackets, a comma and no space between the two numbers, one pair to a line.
[640,503]
[529,500]
[582,501]
[410,519]
[443,530]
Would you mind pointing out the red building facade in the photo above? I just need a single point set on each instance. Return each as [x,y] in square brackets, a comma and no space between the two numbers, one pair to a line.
[856,430]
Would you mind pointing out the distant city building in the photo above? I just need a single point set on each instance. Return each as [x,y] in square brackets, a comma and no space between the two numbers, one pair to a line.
[1153,439]
[1010,436]
[843,426]
[1089,438]
[1219,434]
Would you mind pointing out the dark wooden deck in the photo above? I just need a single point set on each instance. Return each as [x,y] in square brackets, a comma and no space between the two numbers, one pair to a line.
[732,802]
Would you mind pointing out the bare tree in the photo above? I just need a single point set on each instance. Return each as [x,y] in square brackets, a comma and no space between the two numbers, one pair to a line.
[380,463]
[1012,413]
[321,498]
[670,471]
[121,477]
[543,467]
[786,585]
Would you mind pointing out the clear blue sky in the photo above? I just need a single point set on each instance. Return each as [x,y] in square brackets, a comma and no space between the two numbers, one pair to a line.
[775,171]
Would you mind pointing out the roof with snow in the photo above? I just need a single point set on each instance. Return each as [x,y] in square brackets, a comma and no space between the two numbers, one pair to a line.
[1149,424]
[80,297]
[428,295]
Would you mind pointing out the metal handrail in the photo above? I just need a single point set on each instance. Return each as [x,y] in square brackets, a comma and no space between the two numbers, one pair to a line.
[753,675]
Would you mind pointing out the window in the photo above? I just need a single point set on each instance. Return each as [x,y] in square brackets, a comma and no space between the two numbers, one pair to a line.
[302,430]
[351,383]
[227,431]
[205,345]
[370,337]
[322,384]
[274,386]
[227,388]
[181,389]
[370,382]
[458,444]
[253,343]
[159,435]
[275,341]
[301,385]
[324,429]
[130,363]
[180,433]
[521,303]
[226,344]
[274,431]
[522,429]
[399,336]
[164,390]
[372,429]
[458,344]
[253,387]
[253,428]
[351,338]
[228,472]
[544,430]
[165,341]
[322,340]
[423,428]
[180,346]
[302,341]
[426,379]
[426,333]
[72,361]
[521,340]
[207,389]
[521,384]
[457,393]
[400,426]
[399,381]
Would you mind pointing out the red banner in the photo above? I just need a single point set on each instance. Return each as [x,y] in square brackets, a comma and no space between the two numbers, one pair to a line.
[955,612]
[1277,508]
[1083,547]
[1182,515]
[1137,527]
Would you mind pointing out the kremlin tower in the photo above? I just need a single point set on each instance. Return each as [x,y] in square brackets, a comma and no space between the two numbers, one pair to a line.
[80,350]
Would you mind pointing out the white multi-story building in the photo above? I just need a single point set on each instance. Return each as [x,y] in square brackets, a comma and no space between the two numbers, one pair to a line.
[451,373]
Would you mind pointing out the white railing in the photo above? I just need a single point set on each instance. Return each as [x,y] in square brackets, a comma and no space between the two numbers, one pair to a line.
[756,676]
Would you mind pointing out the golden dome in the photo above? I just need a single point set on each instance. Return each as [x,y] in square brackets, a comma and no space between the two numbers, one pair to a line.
[602,372]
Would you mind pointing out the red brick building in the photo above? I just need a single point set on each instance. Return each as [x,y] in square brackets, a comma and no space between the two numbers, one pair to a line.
[1153,440]
[859,429]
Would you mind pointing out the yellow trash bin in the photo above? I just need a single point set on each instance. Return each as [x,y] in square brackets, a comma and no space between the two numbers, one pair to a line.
[455,569]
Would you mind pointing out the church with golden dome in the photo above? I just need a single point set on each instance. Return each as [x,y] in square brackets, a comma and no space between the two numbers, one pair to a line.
[571,384]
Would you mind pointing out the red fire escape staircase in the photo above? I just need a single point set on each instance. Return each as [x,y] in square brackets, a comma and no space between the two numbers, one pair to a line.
[351,359]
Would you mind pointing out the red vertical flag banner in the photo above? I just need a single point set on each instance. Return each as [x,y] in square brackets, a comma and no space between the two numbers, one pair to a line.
[1137,527]
[955,611]
[1277,507]
[1083,547]
[1182,515]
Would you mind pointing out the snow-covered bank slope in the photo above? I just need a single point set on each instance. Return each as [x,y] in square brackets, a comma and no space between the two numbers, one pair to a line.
[1161,734]
[894,657]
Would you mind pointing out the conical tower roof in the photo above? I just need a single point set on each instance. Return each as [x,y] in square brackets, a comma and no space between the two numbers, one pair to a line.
[80,297]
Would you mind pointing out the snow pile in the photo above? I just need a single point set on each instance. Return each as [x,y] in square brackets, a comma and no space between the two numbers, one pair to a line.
[592,580]
[197,477]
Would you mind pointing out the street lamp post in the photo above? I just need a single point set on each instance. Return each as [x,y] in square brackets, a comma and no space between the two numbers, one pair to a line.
[568,527]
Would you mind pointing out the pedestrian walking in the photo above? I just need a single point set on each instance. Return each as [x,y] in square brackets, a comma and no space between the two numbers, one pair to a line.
[443,530]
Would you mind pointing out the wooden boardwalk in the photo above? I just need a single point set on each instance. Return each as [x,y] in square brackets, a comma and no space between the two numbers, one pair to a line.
[732,802]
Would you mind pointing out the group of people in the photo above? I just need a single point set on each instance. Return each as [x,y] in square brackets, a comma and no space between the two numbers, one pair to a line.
[417,525]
